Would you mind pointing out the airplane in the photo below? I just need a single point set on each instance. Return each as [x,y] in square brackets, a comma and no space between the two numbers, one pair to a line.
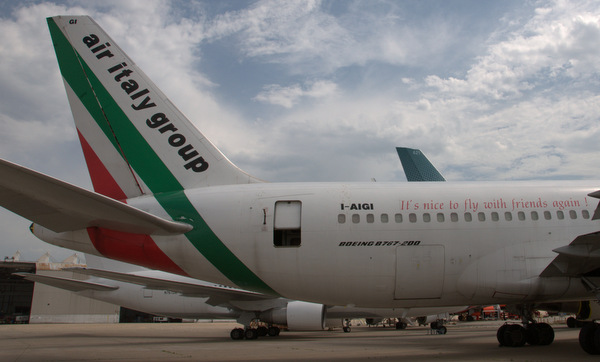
[166,198]
[176,296]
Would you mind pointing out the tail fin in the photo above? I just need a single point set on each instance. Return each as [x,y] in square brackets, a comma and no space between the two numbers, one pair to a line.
[135,141]
[416,166]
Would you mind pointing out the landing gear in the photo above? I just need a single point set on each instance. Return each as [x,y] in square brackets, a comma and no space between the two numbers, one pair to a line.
[438,327]
[589,338]
[535,334]
[273,331]
[540,334]
[237,334]
[253,333]
[346,326]
[532,333]
[401,325]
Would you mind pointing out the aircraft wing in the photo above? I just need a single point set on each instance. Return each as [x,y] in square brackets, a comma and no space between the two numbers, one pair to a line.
[416,166]
[60,206]
[580,257]
[217,295]
[66,283]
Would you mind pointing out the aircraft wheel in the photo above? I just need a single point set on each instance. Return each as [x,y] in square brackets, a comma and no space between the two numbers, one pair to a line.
[251,333]
[546,333]
[237,334]
[442,330]
[434,325]
[347,329]
[262,331]
[401,325]
[500,334]
[515,336]
[532,332]
[588,338]
[274,331]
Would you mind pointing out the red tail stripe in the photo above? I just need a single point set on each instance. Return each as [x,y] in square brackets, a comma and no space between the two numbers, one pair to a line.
[136,249]
[102,180]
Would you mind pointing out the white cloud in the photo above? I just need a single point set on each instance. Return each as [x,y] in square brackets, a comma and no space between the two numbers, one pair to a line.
[289,96]
[555,42]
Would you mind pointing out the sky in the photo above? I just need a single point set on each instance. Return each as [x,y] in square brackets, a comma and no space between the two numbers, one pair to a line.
[325,90]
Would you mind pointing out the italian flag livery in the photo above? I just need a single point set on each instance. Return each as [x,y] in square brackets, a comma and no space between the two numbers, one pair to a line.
[137,144]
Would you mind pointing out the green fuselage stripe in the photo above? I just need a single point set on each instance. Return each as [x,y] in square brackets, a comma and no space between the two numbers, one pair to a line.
[147,164]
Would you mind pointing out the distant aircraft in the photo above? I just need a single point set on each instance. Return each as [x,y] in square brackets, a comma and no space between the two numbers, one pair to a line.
[176,296]
[166,198]
[416,166]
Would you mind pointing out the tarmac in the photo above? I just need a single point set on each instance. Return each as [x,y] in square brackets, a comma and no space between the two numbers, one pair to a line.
[465,341]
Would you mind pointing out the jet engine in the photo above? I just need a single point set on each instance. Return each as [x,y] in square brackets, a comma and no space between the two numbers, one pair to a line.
[585,310]
[298,316]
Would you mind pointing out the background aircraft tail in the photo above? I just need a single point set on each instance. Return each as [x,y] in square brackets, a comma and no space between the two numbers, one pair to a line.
[135,141]
[416,166]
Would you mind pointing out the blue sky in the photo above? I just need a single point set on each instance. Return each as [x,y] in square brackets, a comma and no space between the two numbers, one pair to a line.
[324,90]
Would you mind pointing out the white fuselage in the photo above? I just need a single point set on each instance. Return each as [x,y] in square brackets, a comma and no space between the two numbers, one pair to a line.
[390,244]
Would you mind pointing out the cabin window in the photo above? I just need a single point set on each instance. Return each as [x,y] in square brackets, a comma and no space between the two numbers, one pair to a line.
[426,217]
[398,218]
[560,215]
[573,214]
[384,218]
[454,217]
[585,214]
[440,217]
[495,216]
[355,218]
[547,215]
[521,215]
[534,215]
[342,218]
[370,218]
[287,224]
[468,217]
[481,216]
[412,217]
[508,216]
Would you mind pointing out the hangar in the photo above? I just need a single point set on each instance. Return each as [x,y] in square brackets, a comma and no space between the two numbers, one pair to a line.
[23,301]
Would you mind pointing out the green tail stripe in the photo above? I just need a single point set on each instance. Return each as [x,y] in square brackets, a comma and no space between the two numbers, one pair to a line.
[163,184]
[100,104]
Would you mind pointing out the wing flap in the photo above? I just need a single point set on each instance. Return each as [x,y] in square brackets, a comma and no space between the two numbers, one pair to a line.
[60,206]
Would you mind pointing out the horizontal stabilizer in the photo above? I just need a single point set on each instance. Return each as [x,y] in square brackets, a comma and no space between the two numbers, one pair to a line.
[60,206]
[66,283]
[218,295]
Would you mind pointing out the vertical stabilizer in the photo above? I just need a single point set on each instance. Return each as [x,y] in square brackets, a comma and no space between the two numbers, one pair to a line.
[134,139]
[416,166]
